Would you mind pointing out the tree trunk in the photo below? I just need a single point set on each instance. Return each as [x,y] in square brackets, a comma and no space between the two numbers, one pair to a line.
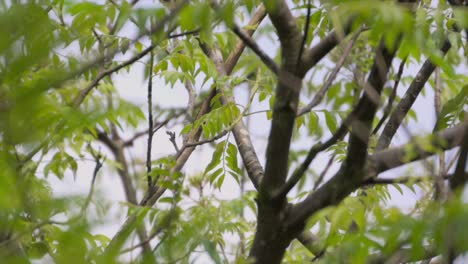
[271,236]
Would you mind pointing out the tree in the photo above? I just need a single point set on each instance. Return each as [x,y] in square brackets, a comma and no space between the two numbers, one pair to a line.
[61,114]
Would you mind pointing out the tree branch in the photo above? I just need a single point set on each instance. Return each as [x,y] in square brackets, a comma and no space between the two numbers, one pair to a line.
[98,61]
[401,180]
[317,148]
[403,255]
[321,93]
[351,171]
[286,99]
[240,131]
[313,55]
[245,147]
[269,62]
[117,150]
[391,158]
[461,175]
[150,121]
[254,22]
[391,98]
[409,98]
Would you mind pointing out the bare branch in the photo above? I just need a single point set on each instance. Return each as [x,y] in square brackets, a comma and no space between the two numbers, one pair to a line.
[407,102]
[288,32]
[402,180]
[241,134]
[240,45]
[191,100]
[286,102]
[305,34]
[317,148]
[269,62]
[391,158]
[150,121]
[460,177]
[334,190]
[154,193]
[324,172]
[391,98]
[156,127]
[351,171]
[117,150]
[313,55]
[440,192]
[173,140]
[321,93]
[183,34]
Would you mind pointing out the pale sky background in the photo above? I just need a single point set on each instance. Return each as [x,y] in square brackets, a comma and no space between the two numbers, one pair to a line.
[132,87]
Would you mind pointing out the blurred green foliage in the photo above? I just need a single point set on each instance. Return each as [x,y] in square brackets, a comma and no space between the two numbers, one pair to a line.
[51,51]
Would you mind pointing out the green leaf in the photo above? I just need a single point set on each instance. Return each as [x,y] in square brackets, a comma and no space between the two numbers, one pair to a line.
[452,109]
[210,248]
[330,119]
[37,250]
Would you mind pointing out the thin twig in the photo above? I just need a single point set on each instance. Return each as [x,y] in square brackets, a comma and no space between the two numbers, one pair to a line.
[150,121]
[324,172]
[317,148]
[403,107]
[209,140]
[305,34]
[97,167]
[193,32]
[391,98]
[98,61]
[321,93]
[99,162]
[172,138]
[269,62]
[156,127]
[439,188]
[191,100]
[402,180]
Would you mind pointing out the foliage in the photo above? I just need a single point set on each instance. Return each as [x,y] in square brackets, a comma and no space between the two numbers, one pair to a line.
[63,116]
